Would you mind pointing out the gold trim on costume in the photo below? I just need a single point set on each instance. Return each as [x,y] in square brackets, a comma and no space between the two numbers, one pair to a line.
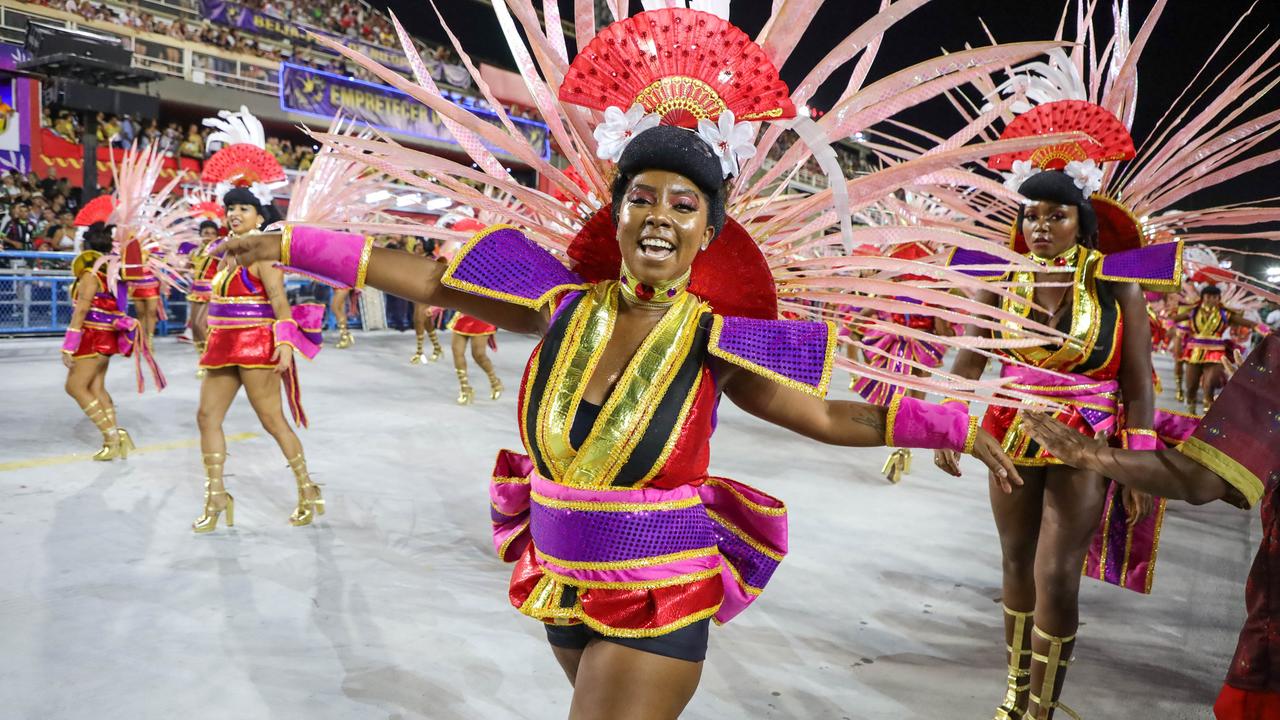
[684,579]
[713,346]
[286,239]
[363,267]
[971,436]
[1226,467]
[594,506]
[633,564]
[746,502]
[772,554]
[890,417]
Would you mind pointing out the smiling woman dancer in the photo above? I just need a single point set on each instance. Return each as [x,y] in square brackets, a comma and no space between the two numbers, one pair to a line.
[624,546]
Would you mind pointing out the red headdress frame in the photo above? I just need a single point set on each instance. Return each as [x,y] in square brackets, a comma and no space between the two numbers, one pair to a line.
[685,66]
[209,210]
[1118,228]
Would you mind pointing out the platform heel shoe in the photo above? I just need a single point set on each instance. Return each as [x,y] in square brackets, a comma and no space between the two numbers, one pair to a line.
[466,393]
[495,385]
[208,520]
[897,465]
[1055,659]
[310,504]
[1017,636]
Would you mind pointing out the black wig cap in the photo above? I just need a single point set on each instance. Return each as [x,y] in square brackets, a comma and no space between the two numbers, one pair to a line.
[98,237]
[1058,187]
[1211,290]
[241,196]
[666,147]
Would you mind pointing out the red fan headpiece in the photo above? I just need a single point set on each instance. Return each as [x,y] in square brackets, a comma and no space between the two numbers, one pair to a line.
[209,210]
[731,275]
[98,209]
[683,65]
[242,164]
[1109,139]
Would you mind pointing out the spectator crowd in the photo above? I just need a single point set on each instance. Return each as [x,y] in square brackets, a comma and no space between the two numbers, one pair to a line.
[37,213]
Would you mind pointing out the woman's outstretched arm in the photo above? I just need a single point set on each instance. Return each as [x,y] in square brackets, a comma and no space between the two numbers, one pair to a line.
[412,277]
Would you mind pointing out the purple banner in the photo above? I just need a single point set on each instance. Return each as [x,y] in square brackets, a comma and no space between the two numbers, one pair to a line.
[320,94]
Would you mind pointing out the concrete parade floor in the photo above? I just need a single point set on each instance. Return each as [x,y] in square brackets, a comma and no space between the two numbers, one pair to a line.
[393,605]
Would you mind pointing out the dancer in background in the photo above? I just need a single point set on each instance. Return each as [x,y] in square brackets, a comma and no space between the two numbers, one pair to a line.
[1233,456]
[341,305]
[203,267]
[98,331]
[252,337]
[1207,345]
[469,332]
[424,318]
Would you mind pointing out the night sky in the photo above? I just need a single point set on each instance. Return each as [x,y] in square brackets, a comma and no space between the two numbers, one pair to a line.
[1184,38]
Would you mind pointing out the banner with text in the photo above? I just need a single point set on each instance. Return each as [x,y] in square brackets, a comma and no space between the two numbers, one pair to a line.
[321,94]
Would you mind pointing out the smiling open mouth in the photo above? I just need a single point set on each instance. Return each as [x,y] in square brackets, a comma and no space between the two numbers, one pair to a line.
[656,249]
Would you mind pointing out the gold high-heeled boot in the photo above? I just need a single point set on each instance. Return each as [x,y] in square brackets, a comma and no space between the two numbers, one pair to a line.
[344,338]
[208,520]
[418,357]
[495,385]
[1017,636]
[1055,658]
[436,350]
[898,464]
[310,504]
[465,392]
[98,415]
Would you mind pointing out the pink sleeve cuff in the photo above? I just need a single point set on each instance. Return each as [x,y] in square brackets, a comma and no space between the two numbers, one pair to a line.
[286,332]
[335,258]
[71,341]
[912,423]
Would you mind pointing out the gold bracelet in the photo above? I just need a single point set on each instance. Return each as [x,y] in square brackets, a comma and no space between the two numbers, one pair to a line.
[972,437]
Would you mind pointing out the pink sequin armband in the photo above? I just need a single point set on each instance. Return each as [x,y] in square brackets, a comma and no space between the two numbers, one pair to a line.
[335,258]
[912,423]
[1135,439]
[71,341]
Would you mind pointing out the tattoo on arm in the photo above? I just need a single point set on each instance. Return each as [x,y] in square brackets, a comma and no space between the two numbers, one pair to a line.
[868,416]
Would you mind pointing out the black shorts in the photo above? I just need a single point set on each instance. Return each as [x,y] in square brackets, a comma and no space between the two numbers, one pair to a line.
[689,643]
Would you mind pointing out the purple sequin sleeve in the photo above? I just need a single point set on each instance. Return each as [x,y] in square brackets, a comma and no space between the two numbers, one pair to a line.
[796,354]
[1154,266]
[502,263]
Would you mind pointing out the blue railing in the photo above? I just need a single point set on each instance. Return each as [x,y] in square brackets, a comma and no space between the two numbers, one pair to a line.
[35,298]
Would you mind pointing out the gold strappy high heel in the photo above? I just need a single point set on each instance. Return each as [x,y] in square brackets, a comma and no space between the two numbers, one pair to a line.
[436,350]
[208,521]
[898,464]
[308,507]
[495,385]
[1017,642]
[465,392]
[1055,659]
[344,338]
[111,447]
[418,358]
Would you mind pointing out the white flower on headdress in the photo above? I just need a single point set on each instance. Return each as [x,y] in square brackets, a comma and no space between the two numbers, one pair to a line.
[620,128]
[1086,174]
[731,141]
[1021,172]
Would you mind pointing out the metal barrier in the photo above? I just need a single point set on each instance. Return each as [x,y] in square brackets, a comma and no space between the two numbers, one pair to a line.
[35,296]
